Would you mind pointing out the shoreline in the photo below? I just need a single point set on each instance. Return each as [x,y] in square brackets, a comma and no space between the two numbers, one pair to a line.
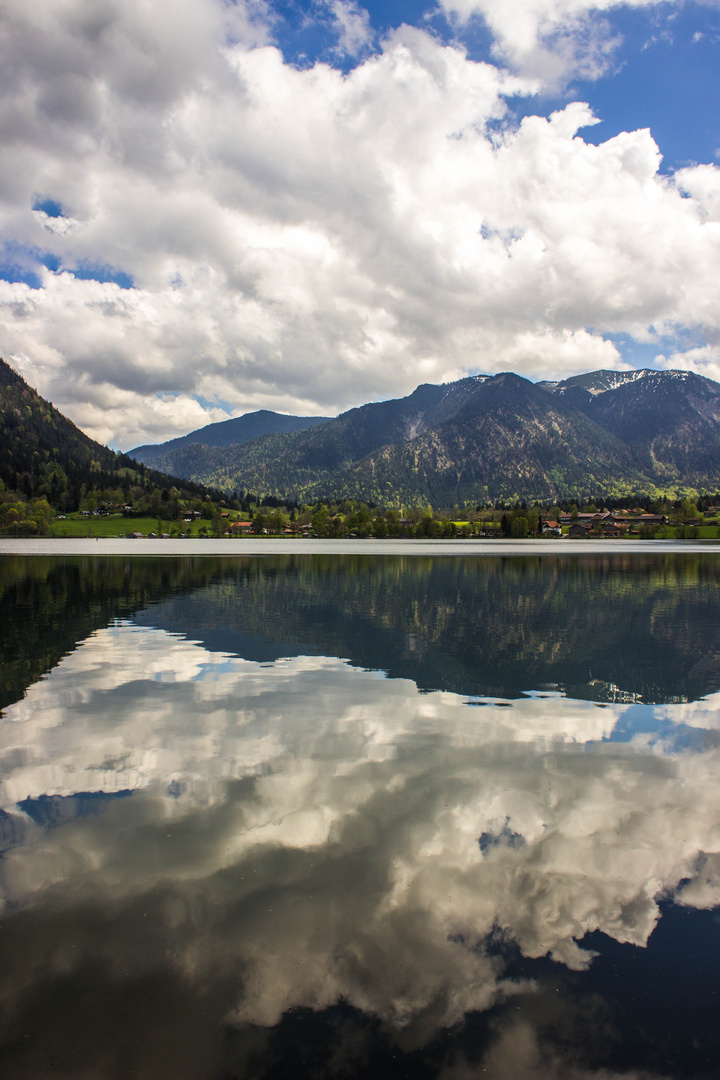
[247,548]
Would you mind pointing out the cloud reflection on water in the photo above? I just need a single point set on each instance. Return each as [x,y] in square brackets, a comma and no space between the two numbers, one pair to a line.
[304,832]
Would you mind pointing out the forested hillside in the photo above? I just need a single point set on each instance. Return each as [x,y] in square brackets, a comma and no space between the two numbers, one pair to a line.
[486,439]
[48,464]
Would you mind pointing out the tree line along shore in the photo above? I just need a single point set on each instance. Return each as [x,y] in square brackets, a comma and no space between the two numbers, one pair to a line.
[166,512]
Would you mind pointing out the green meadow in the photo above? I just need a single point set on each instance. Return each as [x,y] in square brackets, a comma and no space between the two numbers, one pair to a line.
[117,525]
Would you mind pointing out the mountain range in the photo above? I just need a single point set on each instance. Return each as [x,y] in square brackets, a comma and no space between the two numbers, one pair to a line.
[234,432]
[482,438]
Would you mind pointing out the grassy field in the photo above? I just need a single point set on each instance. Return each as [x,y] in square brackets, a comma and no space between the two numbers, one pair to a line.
[117,525]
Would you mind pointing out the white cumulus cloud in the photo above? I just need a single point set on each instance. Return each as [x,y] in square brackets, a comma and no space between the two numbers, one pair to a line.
[307,240]
[552,39]
[352,23]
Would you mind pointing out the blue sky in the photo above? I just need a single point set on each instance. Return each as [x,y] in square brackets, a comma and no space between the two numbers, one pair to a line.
[665,78]
[664,75]
[311,204]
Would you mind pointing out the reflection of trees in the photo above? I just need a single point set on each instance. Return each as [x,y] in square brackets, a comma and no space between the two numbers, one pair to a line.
[47,605]
[644,624]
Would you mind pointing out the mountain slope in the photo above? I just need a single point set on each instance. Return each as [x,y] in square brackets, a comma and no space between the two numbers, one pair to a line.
[597,382]
[478,439]
[669,419]
[44,453]
[580,390]
[233,432]
[36,441]
[332,445]
[276,462]
[481,438]
[510,440]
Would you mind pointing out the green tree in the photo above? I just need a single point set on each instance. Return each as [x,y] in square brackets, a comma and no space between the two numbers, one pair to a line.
[320,521]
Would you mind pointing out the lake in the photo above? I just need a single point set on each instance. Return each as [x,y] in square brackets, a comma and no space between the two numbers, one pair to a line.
[321,813]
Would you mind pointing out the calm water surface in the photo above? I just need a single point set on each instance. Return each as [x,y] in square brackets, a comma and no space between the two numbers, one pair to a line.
[358,816]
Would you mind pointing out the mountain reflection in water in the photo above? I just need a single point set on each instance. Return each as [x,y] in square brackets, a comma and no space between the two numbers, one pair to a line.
[353,818]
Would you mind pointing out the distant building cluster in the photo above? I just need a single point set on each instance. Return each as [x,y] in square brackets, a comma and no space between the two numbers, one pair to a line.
[605,523]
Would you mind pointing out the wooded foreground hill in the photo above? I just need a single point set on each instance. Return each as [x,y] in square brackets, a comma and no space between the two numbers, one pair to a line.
[45,458]
[483,439]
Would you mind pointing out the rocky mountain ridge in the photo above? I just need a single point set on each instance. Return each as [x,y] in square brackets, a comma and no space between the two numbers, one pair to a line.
[484,438]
